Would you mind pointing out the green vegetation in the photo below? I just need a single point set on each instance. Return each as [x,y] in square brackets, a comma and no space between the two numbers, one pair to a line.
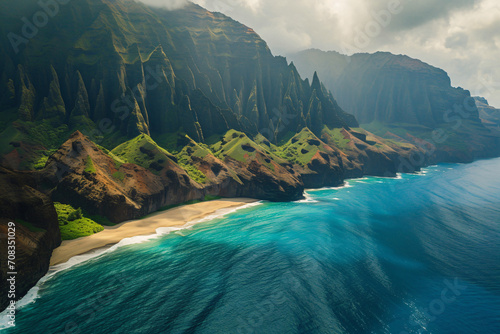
[338,137]
[299,149]
[73,224]
[171,141]
[459,140]
[168,207]
[233,145]
[89,165]
[119,175]
[29,140]
[77,214]
[211,198]
[286,138]
[41,160]
[194,173]
[185,159]
[135,36]
[143,151]
[238,146]
[399,129]
[118,161]
[49,133]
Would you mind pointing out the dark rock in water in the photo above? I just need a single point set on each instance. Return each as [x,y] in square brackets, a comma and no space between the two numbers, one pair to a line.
[36,231]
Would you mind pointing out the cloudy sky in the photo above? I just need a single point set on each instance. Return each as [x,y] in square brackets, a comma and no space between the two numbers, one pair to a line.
[460,36]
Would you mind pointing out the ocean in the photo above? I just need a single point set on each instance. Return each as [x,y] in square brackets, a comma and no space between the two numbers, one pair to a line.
[415,254]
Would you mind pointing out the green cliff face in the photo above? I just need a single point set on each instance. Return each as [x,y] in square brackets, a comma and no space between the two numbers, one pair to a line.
[169,90]
[119,68]
[397,95]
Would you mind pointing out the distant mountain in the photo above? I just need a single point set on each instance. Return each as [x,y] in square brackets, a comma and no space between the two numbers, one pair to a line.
[488,114]
[383,87]
[395,95]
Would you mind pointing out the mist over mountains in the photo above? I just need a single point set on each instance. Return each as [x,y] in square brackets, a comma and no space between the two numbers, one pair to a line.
[396,96]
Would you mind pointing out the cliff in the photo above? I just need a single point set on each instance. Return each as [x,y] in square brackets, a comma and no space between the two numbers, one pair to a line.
[36,231]
[490,116]
[81,174]
[139,176]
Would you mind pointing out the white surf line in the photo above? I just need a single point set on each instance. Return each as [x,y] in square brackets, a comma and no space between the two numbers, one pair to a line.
[345,185]
[308,199]
[33,294]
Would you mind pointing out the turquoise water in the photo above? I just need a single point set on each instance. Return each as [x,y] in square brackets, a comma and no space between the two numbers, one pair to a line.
[419,254]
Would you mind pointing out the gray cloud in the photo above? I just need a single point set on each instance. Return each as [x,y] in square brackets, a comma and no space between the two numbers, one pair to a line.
[417,13]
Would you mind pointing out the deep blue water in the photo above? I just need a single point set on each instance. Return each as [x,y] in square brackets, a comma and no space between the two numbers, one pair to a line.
[419,254]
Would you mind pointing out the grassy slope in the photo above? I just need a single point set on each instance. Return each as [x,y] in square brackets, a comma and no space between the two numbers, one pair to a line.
[339,139]
[142,151]
[301,148]
[145,152]
[184,159]
[238,146]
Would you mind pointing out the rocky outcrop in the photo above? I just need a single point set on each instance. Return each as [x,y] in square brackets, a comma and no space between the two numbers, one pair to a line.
[83,175]
[490,116]
[311,160]
[138,177]
[36,231]
[242,168]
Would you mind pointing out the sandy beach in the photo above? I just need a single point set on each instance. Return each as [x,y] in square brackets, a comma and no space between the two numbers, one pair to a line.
[176,217]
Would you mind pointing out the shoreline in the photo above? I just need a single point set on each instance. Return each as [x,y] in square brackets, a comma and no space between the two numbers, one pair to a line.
[173,218]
